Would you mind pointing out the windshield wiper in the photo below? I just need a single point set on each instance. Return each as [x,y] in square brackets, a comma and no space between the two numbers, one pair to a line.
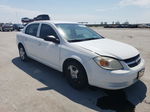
[90,39]
[74,40]
[78,40]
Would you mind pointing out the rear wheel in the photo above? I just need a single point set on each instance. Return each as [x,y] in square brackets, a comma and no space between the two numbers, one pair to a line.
[22,53]
[76,75]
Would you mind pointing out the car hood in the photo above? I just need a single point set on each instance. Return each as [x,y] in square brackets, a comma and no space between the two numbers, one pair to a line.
[107,47]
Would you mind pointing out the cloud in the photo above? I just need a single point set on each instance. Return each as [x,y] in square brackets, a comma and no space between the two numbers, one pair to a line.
[11,14]
[135,2]
[106,9]
[76,17]
[14,15]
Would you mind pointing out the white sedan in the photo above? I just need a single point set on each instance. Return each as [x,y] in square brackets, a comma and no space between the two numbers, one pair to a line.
[84,56]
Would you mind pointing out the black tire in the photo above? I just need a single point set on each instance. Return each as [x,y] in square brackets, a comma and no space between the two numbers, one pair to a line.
[3,29]
[78,81]
[22,53]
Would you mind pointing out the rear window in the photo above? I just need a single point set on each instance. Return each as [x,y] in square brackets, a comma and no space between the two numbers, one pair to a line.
[32,29]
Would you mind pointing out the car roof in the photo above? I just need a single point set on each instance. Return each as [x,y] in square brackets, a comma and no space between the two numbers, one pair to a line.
[54,22]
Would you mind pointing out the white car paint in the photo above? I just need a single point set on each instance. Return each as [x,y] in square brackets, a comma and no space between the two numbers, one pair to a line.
[107,47]
[54,56]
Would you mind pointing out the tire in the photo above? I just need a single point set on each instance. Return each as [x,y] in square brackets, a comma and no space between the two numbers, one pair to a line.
[3,29]
[22,53]
[76,75]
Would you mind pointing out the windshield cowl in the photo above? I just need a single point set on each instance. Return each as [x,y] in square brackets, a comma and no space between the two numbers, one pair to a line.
[82,40]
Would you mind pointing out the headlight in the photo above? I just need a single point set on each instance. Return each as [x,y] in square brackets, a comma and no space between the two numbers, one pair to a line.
[108,63]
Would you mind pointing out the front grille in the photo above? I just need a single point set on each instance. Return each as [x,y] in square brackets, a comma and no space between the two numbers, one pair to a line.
[134,61]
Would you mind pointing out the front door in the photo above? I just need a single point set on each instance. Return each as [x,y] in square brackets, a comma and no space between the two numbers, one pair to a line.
[48,51]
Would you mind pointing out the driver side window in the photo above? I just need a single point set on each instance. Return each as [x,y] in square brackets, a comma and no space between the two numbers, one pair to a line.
[47,30]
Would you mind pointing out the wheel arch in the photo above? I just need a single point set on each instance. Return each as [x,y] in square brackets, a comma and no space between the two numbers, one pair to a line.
[20,44]
[73,58]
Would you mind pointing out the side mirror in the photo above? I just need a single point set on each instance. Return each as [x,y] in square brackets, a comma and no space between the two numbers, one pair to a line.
[52,38]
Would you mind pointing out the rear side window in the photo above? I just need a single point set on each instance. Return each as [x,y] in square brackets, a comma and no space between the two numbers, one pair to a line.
[32,29]
[47,30]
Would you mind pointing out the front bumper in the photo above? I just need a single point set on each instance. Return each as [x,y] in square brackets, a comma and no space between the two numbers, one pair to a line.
[116,79]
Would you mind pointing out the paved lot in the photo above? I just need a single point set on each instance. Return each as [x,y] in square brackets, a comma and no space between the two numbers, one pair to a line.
[33,87]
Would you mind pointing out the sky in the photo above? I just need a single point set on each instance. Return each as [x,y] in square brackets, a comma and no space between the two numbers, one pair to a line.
[92,11]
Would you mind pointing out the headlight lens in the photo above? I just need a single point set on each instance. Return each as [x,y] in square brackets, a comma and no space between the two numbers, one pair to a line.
[108,63]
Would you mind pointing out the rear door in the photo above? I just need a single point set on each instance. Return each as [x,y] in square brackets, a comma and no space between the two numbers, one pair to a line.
[31,39]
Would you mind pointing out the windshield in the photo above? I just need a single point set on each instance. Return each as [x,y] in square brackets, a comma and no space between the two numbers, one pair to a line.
[77,32]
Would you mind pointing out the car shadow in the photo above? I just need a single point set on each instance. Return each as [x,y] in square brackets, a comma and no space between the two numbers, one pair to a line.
[93,98]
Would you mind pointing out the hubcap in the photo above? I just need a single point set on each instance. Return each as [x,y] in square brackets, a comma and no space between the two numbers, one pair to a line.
[22,53]
[73,71]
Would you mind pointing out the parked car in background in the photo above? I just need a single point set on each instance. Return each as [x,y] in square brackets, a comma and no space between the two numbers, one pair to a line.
[84,56]
[143,26]
[7,27]
[42,17]
[121,26]
[1,24]
[26,20]
[18,27]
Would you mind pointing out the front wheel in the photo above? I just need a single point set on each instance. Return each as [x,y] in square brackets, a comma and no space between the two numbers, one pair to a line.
[22,53]
[76,75]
